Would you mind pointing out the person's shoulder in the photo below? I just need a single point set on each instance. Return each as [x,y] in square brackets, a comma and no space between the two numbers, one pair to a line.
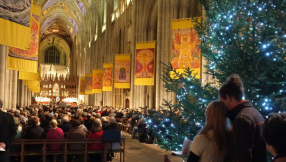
[5,115]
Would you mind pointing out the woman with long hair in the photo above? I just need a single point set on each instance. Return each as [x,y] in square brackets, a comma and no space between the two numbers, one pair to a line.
[212,142]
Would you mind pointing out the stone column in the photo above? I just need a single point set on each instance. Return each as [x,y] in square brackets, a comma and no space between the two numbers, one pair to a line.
[132,49]
[26,95]
[21,93]
[3,53]
[29,98]
[14,88]
[7,101]
[159,53]
[185,8]
[151,88]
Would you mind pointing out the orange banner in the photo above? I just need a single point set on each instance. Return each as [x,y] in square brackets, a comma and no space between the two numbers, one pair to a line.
[82,86]
[144,63]
[122,71]
[97,81]
[107,77]
[185,42]
[88,83]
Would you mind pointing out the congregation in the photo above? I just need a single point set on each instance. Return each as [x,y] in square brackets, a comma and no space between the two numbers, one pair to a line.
[43,122]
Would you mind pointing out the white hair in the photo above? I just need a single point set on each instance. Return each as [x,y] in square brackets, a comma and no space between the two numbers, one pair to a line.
[65,119]
[103,119]
[112,119]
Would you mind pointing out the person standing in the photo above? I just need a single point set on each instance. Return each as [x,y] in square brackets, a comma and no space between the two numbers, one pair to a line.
[274,134]
[247,122]
[7,133]
[214,142]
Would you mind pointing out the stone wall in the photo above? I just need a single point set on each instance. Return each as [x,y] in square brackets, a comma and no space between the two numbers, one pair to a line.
[142,20]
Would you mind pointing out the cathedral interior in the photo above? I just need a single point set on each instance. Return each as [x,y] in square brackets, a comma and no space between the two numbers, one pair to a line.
[77,36]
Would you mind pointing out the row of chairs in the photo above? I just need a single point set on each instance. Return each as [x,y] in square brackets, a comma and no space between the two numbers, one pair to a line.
[65,152]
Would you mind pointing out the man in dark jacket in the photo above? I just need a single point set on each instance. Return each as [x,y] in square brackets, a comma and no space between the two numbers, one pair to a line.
[46,123]
[249,145]
[65,125]
[119,114]
[7,133]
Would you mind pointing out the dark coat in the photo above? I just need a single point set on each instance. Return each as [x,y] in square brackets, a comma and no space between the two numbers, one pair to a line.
[46,125]
[248,141]
[105,125]
[34,132]
[104,113]
[65,126]
[119,115]
[7,133]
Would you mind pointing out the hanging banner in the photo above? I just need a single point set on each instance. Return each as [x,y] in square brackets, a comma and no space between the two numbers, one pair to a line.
[97,81]
[122,71]
[144,63]
[107,77]
[27,60]
[88,83]
[15,20]
[29,76]
[82,86]
[32,82]
[185,42]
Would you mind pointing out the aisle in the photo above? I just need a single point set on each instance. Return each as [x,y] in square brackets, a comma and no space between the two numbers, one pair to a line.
[141,152]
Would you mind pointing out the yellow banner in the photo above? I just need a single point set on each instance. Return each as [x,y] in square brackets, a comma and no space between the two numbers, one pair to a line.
[145,63]
[27,60]
[15,20]
[32,83]
[122,71]
[97,81]
[82,86]
[107,77]
[88,83]
[29,76]
[185,42]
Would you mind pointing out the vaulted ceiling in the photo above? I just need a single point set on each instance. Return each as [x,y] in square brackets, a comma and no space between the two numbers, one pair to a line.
[67,21]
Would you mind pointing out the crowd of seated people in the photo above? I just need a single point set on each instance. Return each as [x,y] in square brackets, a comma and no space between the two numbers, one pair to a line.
[42,122]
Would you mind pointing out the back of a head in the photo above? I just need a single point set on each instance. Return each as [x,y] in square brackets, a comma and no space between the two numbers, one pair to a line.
[33,121]
[103,119]
[112,119]
[96,126]
[233,88]
[76,123]
[54,123]
[216,121]
[274,133]
[48,116]
[97,115]
[65,118]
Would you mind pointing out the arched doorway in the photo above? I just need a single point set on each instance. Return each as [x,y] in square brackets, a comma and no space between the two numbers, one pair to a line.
[127,103]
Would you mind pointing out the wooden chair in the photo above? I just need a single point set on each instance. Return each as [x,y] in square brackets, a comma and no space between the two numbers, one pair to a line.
[55,153]
[94,141]
[76,152]
[35,144]
[113,136]
[19,149]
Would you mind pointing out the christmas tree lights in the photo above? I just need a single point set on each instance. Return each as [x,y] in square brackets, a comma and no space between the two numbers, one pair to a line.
[245,37]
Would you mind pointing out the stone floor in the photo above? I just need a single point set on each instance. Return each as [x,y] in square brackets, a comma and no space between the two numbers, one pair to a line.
[141,152]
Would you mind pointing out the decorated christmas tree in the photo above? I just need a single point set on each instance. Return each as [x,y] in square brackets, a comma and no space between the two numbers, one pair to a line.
[245,37]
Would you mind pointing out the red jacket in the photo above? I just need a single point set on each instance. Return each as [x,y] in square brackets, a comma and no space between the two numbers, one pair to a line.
[96,135]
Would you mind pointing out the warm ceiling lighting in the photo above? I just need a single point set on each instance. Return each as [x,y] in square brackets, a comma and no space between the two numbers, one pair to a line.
[55,30]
